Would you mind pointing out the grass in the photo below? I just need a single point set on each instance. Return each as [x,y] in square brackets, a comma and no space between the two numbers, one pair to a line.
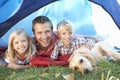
[107,71]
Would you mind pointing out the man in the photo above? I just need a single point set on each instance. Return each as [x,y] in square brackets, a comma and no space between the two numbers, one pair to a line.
[45,39]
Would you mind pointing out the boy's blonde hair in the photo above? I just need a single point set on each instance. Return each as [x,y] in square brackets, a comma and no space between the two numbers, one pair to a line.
[64,24]
[11,53]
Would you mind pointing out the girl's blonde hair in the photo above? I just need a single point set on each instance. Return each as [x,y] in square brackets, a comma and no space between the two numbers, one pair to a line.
[11,53]
[64,24]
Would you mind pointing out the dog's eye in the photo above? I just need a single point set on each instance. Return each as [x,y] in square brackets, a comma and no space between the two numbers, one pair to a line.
[81,60]
[76,68]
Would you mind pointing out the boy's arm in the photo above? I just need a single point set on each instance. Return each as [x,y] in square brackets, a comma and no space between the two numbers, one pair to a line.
[55,52]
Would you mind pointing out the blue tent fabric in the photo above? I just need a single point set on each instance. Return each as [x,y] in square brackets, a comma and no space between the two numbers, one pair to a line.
[82,23]
[112,7]
[5,5]
[27,7]
[79,12]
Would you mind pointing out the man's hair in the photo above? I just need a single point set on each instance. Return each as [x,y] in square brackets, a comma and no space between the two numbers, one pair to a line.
[41,20]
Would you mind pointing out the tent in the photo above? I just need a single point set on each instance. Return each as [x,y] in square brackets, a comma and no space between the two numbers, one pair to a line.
[90,17]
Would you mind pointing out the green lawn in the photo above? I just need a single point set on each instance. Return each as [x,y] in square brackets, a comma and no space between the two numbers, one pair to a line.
[107,70]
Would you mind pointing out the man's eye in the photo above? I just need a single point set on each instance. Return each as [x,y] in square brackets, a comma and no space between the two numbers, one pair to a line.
[47,32]
[39,33]
[63,33]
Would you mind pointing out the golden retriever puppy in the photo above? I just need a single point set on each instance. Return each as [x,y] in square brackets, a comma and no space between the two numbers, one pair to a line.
[85,59]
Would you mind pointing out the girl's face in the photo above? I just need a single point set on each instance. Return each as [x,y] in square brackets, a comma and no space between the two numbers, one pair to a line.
[66,36]
[20,44]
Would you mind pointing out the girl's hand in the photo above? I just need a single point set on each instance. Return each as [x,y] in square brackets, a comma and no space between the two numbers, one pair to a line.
[16,66]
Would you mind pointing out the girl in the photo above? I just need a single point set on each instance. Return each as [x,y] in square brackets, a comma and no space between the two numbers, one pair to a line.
[20,50]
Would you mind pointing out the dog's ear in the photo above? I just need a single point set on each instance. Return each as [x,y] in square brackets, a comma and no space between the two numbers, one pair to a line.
[70,58]
[91,59]
[75,52]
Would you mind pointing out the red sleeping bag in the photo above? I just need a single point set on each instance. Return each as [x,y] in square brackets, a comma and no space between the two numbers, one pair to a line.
[2,50]
[47,61]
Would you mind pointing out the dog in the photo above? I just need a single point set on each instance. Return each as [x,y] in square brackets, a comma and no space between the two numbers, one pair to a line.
[85,59]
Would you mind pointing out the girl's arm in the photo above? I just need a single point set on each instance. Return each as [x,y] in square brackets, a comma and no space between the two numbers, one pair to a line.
[16,66]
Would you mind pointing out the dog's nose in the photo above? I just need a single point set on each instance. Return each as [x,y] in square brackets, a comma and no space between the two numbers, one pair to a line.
[76,68]
[86,71]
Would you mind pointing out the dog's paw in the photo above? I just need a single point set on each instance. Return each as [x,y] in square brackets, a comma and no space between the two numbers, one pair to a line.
[111,59]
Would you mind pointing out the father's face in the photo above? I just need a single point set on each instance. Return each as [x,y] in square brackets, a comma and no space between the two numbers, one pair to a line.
[43,34]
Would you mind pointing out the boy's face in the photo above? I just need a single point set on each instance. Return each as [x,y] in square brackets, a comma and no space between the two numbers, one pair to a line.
[20,44]
[66,36]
